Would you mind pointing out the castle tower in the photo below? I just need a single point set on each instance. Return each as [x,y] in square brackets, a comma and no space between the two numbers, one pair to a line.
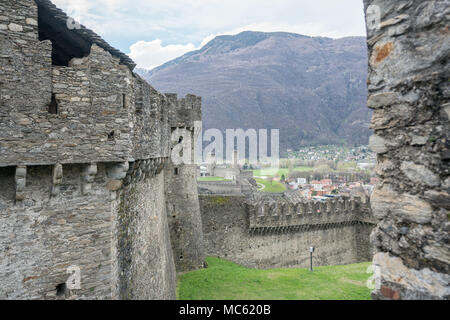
[183,206]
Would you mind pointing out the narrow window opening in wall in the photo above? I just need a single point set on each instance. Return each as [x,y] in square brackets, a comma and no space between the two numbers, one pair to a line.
[7,178]
[180,139]
[138,107]
[181,257]
[111,136]
[175,171]
[53,106]
[124,101]
[61,290]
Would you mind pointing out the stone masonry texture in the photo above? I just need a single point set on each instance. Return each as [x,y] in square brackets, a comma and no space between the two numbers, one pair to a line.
[272,231]
[83,146]
[89,191]
[409,92]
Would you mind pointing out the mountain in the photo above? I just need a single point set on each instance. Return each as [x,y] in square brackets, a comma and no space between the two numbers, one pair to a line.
[312,88]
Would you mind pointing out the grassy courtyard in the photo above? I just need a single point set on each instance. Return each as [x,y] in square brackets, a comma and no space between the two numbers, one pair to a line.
[224,280]
[267,186]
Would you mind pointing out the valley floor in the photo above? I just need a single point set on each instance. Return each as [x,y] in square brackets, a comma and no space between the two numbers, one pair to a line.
[224,280]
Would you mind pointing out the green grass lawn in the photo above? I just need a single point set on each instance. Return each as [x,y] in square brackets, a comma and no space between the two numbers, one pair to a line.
[271,172]
[224,280]
[212,179]
[273,186]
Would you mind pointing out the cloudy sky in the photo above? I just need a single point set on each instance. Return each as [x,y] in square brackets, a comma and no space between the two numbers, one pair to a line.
[155,31]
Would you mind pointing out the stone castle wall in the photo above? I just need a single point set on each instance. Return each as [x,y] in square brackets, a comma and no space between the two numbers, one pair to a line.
[99,103]
[220,187]
[145,255]
[409,92]
[119,239]
[234,228]
[45,234]
[287,211]
[83,151]
[183,208]
[185,222]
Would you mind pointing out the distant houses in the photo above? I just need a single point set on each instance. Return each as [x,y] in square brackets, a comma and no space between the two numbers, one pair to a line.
[318,189]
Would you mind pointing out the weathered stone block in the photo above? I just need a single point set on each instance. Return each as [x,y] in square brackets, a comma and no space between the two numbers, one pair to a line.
[21,171]
[118,171]
[438,252]
[385,201]
[438,198]
[419,174]
[394,20]
[114,185]
[418,140]
[383,99]
[57,174]
[91,169]
[415,284]
[15,27]
[20,196]
[378,144]
[31,21]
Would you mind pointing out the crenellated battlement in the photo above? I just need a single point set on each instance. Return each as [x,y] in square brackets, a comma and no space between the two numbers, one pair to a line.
[284,212]
[266,230]
[184,112]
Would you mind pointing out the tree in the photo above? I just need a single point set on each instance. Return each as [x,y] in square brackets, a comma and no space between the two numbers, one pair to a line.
[322,168]
[283,178]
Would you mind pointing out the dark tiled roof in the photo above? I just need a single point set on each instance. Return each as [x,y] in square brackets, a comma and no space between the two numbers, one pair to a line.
[85,33]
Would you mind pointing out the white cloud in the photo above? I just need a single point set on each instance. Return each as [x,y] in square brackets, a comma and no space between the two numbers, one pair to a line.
[82,12]
[149,55]
[79,7]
